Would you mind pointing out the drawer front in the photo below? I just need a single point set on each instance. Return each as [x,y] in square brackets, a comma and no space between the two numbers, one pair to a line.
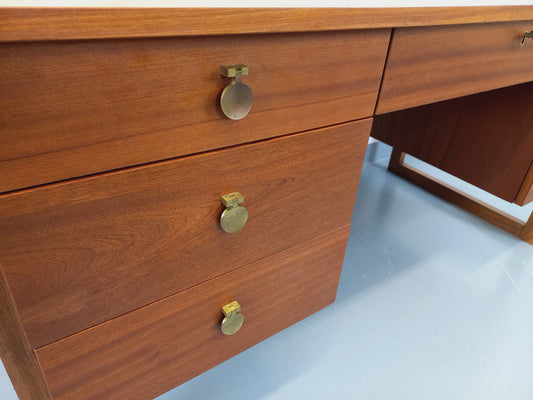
[149,351]
[75,108]
[431,64]
[79,253]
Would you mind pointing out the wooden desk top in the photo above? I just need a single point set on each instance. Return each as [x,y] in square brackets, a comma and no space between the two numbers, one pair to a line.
[29,24]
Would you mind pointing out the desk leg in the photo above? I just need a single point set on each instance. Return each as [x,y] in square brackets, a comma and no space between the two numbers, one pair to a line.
[469,203]
[17,355]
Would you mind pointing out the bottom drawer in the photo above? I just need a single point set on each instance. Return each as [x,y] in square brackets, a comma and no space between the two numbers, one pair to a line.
[149,351]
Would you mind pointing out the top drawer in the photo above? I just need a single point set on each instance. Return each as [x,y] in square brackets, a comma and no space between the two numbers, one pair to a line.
[430,64]
[74,108]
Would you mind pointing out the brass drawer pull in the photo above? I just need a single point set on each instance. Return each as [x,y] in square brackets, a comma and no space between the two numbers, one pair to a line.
[233,319]
[236,98]
[234,217]
[526,35]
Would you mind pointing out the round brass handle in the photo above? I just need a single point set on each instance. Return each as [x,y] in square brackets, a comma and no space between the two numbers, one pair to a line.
[233,319]
[234,217]
[236,99]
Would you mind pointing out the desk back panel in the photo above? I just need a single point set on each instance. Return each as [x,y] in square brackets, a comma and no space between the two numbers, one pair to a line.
[484,139]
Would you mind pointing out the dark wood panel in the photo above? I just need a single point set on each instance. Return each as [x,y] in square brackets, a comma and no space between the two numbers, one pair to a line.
[17,355]
[149,351]
[76,108]
[484,139]
[79,253]
[431,64]
[90,23]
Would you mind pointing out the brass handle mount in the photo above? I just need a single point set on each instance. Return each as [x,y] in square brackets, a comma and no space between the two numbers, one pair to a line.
[236,99]
[235,215]
[233,319]
[525,36]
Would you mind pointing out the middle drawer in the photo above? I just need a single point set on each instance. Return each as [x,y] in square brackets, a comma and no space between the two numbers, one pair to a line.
[82,252]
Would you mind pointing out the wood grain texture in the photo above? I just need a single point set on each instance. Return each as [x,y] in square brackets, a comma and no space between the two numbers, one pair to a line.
[461,199]
[76,108]
[79,253]
[525,195]
[431,64]
[484,139]
[90,23]
[149,351]
[17,355]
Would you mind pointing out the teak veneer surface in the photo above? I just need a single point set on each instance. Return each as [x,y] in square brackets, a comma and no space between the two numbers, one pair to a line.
[485,139]
[79,253]
[76,108]
[135,258]
[149,351]
[89,23]
[431,64]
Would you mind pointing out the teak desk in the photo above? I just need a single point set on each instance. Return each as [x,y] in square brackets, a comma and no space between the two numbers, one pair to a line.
[152,225]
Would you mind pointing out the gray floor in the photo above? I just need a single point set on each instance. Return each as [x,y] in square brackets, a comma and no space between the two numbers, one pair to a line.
[433,303]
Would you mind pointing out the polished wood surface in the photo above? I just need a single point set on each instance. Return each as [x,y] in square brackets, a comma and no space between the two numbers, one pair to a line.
[485,139]
[89,23]
[77,108]
[431,64]
[125,245]
[453,195]
[17,355]
[79,253]
[149,351]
